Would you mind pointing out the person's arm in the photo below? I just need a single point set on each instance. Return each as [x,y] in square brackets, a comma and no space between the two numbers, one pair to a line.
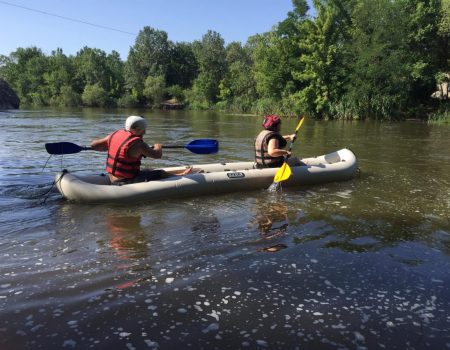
[139,148]
[290,137]
[274,151]
[100,145]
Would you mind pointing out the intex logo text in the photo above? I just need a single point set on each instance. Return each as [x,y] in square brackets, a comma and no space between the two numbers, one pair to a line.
[235,175]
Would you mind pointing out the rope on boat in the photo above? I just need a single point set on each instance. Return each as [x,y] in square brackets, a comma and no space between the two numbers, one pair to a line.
[64,172]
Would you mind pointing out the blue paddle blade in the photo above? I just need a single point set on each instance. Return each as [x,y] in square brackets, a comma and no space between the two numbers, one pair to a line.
[63,148]
[203,146]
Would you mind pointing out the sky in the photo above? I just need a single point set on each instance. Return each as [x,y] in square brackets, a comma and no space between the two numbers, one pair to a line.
[114,24]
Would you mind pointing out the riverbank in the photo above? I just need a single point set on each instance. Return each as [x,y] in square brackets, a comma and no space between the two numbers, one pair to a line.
[440,117]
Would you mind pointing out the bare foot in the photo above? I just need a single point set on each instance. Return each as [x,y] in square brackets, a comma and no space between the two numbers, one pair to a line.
[185,172]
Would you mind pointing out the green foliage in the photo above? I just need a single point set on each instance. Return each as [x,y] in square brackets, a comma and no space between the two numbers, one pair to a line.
[25,75]
[148,57]
[442,116]
[115,71]
[237,89]
[270,69]
[183,67]
[267,105]
[210,55]
[444,22]
[60,73]
[355,59]
[95,96]
[67,97]
[322,73]
[176,92]
[195,98]
[380,83]
[154,90]
[94,66]
[128,100]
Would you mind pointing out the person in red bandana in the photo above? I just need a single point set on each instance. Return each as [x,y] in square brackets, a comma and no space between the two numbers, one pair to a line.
[270,144]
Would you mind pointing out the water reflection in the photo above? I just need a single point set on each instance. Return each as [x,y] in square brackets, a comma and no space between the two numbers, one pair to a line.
[128,239]
[271,220]
[369,232]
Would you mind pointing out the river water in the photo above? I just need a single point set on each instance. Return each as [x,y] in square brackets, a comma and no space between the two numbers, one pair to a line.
[359,264]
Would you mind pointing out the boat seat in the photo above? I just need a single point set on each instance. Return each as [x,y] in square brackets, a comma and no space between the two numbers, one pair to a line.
[332,158]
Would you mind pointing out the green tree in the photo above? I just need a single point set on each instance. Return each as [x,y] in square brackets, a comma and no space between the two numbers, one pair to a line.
[183,67]
[6,68]
[115,70]
[444,22]
[275,56]
[94,95]
[424,58]
[67,97]
[154,90]
[95,67]
[270,67]
[443,75]
[25,73]
[322,74]
[148,57]
[237,88]
[210,55]
[379,82]
[90,68]
[60,77]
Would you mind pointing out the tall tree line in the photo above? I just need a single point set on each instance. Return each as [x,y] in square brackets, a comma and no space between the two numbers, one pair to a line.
[355,59]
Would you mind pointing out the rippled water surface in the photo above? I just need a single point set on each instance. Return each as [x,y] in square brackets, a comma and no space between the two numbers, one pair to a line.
[359,264]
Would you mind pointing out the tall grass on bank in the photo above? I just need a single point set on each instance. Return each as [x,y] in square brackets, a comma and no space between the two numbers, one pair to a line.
[442,116]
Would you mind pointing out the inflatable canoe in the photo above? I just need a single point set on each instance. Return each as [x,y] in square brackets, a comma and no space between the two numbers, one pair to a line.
[207,179]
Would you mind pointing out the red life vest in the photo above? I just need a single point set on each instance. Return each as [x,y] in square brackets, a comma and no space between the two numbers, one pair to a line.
[262,157]
[118,162]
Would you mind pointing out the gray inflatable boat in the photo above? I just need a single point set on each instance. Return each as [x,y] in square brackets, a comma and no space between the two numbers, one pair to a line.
[207,179]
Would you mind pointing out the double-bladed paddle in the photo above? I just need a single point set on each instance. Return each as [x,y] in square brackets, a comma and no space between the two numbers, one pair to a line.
[200,146]
[284,172]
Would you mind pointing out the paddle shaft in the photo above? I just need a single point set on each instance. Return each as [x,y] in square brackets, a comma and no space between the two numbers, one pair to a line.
[201,146]
[168,146]
[296,132]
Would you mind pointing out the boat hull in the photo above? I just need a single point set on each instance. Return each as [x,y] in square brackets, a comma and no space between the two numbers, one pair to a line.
[207,179]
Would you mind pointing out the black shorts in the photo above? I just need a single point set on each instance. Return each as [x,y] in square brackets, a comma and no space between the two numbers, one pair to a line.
[143,176]
[274,165]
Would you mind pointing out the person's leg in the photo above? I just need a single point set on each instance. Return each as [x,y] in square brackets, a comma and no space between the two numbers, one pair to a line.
[157,174]
[149,175]
[294,161]
[186,171]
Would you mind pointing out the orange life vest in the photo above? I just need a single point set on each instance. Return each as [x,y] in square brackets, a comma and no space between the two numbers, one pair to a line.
[118,162]
[262,157]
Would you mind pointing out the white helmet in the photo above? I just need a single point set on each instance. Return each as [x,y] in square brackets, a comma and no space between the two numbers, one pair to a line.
[135,122]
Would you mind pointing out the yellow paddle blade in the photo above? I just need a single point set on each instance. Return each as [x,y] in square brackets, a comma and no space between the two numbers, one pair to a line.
[283,173]
[299,124]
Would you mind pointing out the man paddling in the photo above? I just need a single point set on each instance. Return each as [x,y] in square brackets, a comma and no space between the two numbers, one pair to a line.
[125,150]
